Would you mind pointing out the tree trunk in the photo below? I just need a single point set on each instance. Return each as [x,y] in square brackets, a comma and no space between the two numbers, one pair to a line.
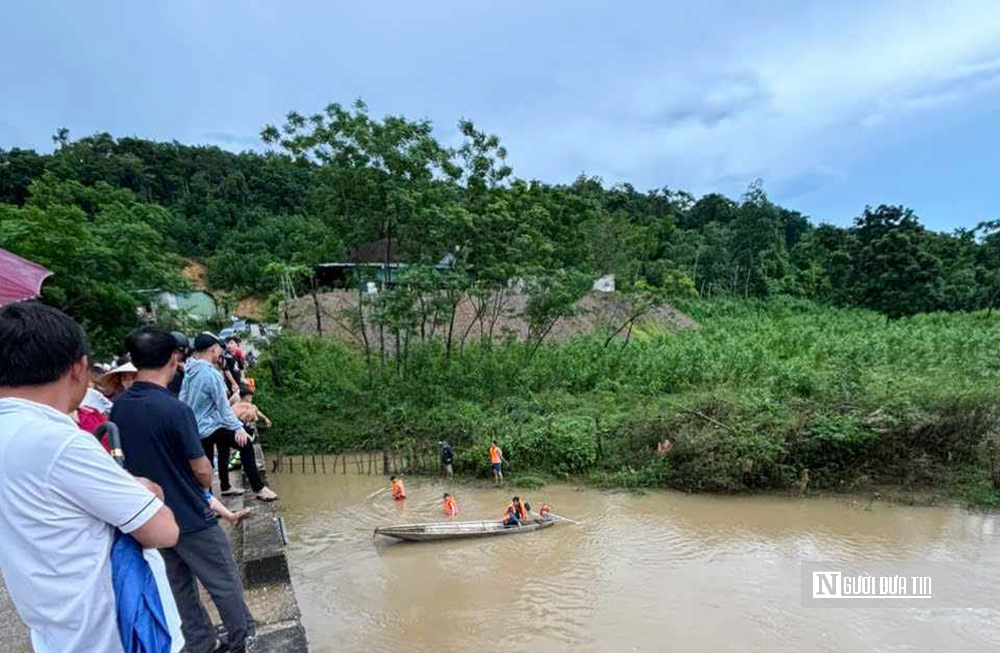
[478,317]
[423,317]
[381,349]
[541,337]
[451,331]
[364,333]
[319,319]
[399,361]
[406,352]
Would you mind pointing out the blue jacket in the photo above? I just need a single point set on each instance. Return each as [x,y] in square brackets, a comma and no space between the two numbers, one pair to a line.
[205,392]
[141,622]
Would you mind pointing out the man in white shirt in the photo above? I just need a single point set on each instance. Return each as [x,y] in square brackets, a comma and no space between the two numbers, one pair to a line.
[61,495]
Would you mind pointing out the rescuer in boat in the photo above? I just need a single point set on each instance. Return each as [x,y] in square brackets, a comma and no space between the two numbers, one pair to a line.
[398,489]
[544,513]
[517,512]
[510,519]
[450,507]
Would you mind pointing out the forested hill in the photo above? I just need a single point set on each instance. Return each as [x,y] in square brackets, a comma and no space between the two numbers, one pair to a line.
[112,216]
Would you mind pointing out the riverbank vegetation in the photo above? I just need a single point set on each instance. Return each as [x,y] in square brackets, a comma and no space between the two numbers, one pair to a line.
[763,391]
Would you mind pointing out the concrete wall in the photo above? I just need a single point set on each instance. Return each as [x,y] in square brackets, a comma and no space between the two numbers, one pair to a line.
[260,553]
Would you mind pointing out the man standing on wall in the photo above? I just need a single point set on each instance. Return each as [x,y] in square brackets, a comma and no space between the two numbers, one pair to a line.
[160,439]
[62,497]
[205,392]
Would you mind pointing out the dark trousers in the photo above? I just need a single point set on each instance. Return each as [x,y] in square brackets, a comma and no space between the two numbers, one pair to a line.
[206,556]
[225,440]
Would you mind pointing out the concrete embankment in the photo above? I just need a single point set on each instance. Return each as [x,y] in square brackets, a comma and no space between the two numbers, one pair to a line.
[259,550]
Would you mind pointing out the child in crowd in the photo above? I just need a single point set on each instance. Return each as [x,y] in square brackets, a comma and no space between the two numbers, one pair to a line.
[247,412]
[221,510]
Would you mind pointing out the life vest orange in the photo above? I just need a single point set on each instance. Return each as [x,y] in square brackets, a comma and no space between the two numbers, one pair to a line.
[450,507]
[518,510]
[545,510]
[398,489]
[495,456]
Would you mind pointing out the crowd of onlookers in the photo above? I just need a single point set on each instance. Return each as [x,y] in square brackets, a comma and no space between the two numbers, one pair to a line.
[102,552]
[110,381]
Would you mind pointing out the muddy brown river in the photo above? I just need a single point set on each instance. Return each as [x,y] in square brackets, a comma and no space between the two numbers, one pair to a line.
[662,571]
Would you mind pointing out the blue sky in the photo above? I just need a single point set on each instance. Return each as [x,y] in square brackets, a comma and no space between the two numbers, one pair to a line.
[835,105]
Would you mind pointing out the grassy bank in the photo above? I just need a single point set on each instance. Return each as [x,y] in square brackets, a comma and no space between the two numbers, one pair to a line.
[760,393]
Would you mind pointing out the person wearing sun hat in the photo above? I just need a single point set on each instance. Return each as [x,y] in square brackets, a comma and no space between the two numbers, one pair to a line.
[118,380]
[205,392]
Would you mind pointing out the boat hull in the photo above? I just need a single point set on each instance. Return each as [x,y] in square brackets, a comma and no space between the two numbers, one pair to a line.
[457,530]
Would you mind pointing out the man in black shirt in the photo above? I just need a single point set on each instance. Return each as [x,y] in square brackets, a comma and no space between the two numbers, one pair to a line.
[182,352]
[447,459]
[160,437]
[232,368]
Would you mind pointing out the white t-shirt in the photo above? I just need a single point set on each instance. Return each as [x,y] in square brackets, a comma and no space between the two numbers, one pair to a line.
[159,569]
[94,399]
[61,497]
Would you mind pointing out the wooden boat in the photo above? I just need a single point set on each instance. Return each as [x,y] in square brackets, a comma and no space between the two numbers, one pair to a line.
[458,530]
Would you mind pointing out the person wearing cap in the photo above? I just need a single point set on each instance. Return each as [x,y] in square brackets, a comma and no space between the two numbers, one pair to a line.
[160,439]
[205,392]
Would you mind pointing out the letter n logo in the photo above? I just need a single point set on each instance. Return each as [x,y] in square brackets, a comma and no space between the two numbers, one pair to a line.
[826,584]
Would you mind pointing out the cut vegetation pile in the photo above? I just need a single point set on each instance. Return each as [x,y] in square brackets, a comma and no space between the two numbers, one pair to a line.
[338,310]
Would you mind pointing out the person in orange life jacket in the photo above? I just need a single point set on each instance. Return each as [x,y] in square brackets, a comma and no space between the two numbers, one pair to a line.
[496,460]
[517,512]
[510,518]
[398,489]
[450,507]
[545,510]
[523,508]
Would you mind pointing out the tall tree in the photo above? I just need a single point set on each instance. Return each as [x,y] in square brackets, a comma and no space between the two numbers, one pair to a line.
[102,256]
[895,271]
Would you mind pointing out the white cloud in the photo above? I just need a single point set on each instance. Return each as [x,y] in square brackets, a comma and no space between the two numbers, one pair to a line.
[794,100]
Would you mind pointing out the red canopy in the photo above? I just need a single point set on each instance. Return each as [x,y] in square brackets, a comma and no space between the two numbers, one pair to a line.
[20,279]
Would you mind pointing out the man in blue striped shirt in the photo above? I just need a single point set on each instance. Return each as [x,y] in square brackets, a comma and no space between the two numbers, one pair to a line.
[205,392]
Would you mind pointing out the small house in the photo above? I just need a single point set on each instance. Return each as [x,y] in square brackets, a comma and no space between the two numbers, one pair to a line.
[197,305]
[372,266]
